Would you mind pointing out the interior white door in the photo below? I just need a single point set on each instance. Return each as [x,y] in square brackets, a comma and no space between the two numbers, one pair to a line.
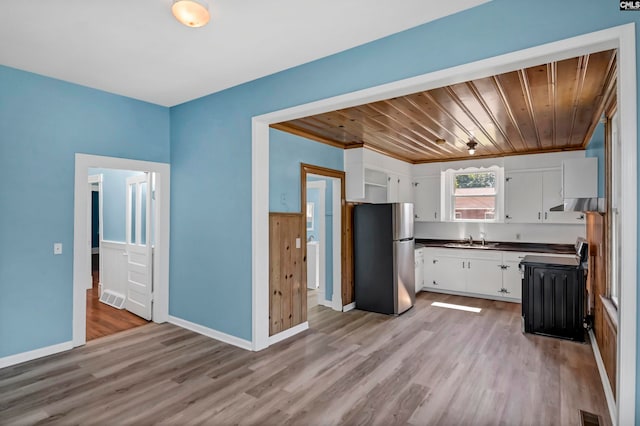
[139,255]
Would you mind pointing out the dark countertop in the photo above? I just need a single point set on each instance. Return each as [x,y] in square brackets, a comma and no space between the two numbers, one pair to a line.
[551,260]
[506,246]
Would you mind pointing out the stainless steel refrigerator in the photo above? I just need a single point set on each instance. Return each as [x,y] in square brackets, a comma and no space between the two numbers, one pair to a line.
[384,257]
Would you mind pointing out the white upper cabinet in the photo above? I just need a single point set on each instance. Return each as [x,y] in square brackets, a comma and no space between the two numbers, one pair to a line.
[580,178]
[523,197]
[426,196]
[399,189]
[375,178]
[531,194]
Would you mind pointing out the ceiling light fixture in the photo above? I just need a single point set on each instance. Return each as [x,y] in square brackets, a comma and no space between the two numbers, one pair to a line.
[472,146]
[440,141]
[192,13]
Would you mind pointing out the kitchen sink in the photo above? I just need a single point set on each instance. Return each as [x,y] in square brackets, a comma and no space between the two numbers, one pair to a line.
[471,245]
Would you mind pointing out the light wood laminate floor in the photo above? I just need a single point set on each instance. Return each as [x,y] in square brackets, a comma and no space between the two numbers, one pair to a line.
[430,366]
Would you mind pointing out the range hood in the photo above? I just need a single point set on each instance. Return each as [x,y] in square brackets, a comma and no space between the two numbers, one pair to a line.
[580,205]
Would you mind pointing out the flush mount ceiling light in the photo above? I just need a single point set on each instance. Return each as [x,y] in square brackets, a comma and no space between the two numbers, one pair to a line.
[192,13]
[440,141]
[472,146]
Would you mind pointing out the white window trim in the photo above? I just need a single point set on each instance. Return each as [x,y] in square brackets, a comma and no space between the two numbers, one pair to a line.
[447,196]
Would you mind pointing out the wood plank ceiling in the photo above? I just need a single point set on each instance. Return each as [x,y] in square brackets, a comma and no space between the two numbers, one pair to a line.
[549,107]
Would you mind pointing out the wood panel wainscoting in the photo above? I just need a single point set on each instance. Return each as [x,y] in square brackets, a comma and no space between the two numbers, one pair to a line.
[287,271]
[604,312]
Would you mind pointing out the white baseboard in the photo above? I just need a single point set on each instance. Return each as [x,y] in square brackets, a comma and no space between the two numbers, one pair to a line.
[608,393]
[349,307]
[34,354]
[209,332]
[324,302]
[288,333]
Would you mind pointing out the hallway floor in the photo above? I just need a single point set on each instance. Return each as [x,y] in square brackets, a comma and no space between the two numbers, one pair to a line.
[104,320]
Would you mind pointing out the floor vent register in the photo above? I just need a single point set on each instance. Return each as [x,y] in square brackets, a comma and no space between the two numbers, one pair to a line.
[112,298]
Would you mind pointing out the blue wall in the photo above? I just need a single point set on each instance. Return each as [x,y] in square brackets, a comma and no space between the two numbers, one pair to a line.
[211,137]
[286,153]
[595,148]
[114,191]
[43,123]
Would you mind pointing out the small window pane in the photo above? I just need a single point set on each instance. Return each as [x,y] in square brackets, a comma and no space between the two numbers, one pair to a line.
[132,231]
[474,196]
[143,213]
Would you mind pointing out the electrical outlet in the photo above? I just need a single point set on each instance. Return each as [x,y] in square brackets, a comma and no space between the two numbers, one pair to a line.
[57,248]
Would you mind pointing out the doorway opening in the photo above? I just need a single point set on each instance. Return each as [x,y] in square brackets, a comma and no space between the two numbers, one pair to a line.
[323,226]
[121,243]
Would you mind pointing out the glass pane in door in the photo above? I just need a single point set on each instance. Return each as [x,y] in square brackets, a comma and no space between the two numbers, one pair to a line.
[132,230]
[143,213]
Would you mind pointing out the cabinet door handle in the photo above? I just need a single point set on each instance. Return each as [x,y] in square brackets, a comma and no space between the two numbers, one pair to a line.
[469,265]
[581,217]
[434,282]
[545,215]
[435,215]
[435,261]
[415,216]
[538,215]
[463,264]
[507,217]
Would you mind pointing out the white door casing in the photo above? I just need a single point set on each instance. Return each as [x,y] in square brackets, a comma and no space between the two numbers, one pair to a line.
[138,236]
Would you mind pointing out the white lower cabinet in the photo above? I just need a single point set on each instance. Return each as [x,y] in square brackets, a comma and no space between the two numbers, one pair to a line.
[448,273]
[419,263]
[492,274]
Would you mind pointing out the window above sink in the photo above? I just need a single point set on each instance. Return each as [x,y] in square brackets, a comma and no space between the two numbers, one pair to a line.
[473,194]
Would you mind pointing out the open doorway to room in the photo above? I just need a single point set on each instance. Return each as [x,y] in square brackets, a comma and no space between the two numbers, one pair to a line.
[122,238]
[120,245]
[323,224]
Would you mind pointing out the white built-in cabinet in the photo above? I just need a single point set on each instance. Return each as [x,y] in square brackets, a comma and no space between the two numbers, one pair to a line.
[529,196]
[491,274]
[399,189]
[374,178]
[426,199]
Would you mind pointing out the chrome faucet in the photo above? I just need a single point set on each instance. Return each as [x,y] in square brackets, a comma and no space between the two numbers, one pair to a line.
[482,238]
[470,240]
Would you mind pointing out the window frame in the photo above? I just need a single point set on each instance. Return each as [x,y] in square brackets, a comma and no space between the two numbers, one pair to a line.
[448,195]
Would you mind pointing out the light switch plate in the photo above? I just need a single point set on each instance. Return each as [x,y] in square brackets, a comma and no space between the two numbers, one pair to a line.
[298,243]
[57,248]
